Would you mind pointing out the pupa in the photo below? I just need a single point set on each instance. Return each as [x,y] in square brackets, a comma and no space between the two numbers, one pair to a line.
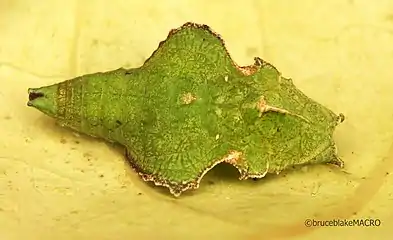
[190,107]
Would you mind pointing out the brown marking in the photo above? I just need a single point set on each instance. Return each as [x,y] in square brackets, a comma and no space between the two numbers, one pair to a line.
[263,107]
[233,158]
[35,95]
[188,98]
[61,100]
[340,118]
[251,69]
[69,110]
[247,70]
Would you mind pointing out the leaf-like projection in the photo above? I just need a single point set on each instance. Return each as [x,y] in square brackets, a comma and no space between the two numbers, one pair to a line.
[190,107]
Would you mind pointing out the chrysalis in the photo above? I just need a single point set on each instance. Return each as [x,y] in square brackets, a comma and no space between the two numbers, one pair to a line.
[191,107]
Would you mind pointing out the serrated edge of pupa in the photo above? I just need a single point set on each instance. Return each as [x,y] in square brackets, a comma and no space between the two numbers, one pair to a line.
[235,158]
[177,189]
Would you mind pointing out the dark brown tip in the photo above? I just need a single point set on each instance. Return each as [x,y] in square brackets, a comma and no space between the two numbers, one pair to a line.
[341,118]
[34,95]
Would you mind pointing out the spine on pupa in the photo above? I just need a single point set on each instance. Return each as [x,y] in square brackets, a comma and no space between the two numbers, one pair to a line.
[93,104]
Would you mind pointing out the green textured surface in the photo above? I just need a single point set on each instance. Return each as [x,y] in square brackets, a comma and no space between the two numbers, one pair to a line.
[190,107]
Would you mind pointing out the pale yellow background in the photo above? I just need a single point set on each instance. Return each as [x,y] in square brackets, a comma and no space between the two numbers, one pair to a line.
[55,185]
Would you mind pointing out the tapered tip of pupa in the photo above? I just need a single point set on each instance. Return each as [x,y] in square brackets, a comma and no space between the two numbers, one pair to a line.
[340,118]
[43,99]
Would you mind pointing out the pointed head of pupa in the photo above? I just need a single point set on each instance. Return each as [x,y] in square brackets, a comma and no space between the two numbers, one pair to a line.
[44,99]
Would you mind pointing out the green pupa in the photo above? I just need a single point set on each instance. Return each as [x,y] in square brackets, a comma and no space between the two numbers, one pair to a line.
[190,107]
